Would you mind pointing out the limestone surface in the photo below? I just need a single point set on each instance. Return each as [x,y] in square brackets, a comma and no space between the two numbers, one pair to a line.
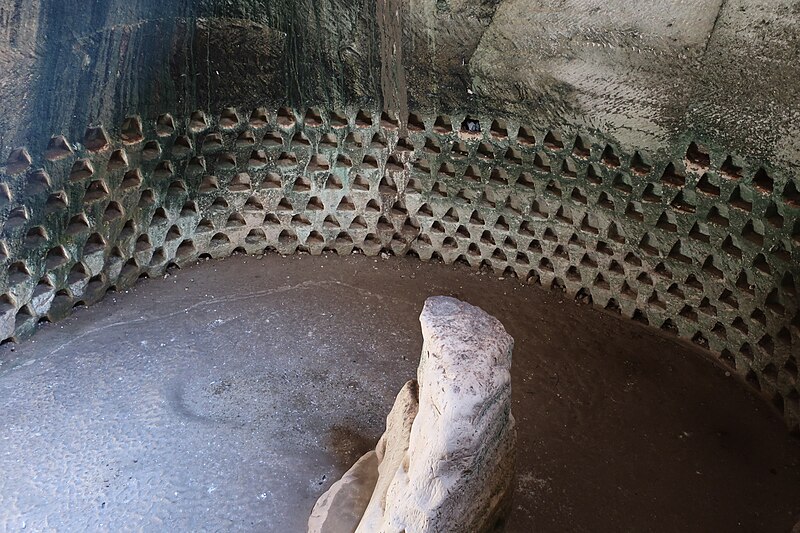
[392,453]
[446,460]
[363,487]
[342,506]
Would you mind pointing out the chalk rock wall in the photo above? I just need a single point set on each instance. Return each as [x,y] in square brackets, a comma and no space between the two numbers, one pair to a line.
[645,75]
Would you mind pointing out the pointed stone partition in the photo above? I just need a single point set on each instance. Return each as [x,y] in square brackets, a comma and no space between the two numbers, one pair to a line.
[446,460]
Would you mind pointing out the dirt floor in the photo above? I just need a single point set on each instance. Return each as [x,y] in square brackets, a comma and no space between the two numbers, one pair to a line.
[229,395]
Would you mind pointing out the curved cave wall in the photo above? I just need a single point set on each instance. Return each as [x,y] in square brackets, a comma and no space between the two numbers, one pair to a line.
[642,158]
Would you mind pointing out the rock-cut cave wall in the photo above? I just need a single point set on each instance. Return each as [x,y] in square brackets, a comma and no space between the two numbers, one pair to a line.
[643,159]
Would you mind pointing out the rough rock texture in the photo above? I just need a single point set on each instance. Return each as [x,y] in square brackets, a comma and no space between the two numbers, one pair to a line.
[363,487]
[643,74]
[461,453]
[450,467]
[392,451]
[342,506]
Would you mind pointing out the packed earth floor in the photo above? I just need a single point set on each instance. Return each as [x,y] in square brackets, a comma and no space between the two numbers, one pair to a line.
[228,396]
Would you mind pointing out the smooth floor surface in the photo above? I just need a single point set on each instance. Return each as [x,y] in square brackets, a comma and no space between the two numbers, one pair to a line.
[229,395]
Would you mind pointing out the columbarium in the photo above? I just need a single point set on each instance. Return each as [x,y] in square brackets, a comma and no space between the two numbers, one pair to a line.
[221,220]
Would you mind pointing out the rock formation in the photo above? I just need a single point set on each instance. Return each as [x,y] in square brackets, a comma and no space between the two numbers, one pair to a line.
[446,460]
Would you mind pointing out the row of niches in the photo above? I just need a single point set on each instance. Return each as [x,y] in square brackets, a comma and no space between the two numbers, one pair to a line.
[474,228]
[761,237]
[662,246]
[323,130]
[722,193]
[724,250]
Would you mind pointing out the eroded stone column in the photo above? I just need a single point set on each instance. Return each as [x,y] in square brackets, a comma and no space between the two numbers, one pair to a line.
[446,460]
